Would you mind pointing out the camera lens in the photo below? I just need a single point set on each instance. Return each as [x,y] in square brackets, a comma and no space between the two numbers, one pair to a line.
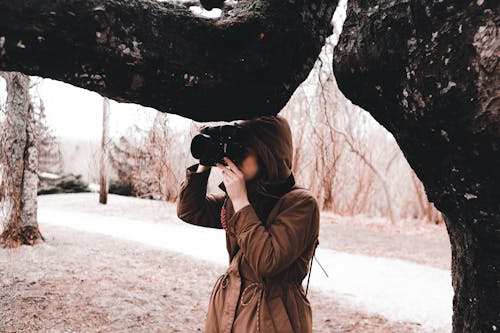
[215,142]
[199,144]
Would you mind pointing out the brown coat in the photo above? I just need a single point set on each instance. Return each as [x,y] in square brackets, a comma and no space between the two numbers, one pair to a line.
[261,291]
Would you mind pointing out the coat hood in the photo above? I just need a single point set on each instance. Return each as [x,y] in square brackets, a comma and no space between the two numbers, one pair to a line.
[270,137]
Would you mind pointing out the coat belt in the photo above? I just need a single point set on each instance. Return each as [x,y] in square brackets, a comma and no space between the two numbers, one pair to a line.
[258,289]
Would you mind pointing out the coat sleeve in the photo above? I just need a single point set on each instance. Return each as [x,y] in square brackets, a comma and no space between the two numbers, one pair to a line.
[271,250]
[194,206]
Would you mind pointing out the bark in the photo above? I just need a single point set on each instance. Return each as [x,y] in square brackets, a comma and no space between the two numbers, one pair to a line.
[20,165]
[248,62]
[428,71]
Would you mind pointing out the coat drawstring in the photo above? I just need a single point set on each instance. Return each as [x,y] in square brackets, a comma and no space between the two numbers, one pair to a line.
[253,287]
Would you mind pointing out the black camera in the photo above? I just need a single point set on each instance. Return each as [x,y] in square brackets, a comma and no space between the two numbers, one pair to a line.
[215,142]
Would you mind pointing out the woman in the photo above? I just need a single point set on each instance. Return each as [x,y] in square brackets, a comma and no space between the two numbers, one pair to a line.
[272,228]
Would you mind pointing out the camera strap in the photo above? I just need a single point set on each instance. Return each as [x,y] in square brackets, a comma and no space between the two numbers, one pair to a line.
[310,267]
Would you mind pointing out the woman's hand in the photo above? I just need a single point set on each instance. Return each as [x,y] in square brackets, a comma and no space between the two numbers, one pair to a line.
[234,181]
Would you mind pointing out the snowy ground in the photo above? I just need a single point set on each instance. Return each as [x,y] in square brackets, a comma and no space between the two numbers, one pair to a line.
[86,282]
[399,290]
[396,289]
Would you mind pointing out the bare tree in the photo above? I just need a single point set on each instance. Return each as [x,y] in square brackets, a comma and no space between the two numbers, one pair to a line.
[123,155]
[349,161]
[103,172]
[48,146]
[148,160]
[20,165]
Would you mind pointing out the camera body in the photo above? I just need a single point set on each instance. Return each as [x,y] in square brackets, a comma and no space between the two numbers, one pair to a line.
[214,142]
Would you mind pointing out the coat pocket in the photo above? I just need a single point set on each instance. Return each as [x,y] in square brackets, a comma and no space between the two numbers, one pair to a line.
[279,315]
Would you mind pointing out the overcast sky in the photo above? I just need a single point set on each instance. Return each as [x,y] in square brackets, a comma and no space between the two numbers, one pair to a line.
[77,113]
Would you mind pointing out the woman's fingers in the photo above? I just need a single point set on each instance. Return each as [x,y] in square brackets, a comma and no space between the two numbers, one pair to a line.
[233,166]
[233,169]
[225,171]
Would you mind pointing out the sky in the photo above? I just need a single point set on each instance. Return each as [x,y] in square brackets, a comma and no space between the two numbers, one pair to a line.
[74,112]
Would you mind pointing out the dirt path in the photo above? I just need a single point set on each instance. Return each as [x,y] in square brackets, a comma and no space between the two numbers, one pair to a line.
[83,282]
[423,244]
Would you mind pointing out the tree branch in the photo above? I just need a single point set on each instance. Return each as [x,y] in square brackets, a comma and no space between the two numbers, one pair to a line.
[158,54]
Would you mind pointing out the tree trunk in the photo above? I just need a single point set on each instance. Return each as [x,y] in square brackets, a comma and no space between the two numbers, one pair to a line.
[475,277]
[103,169]
[160,55]
[20,165]
[428,71]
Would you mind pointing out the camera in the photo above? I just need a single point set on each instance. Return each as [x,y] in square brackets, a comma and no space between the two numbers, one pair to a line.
[214,142]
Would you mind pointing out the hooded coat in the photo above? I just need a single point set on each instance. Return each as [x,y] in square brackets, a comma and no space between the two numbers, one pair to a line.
[272,246]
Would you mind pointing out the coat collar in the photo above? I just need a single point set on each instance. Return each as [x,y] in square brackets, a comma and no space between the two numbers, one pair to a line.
[277,189]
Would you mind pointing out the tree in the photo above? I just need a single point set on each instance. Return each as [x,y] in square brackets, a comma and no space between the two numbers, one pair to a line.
[147,164]
[428,71]
[47,145]
[19,160]
[124,155]
[103,173]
